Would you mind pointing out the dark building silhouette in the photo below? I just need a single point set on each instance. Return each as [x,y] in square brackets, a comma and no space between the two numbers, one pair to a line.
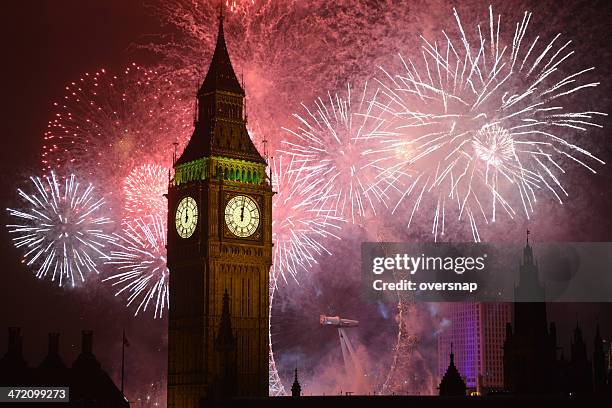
[477,331]
[13,358]
[89,384]
[452,384]
[296,388]
[599,364]
[53,360]
[13,367]
[530,349]
[579,369]
[219,239]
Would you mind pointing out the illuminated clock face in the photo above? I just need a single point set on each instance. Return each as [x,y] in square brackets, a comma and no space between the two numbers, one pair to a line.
[186,217]
[242,216]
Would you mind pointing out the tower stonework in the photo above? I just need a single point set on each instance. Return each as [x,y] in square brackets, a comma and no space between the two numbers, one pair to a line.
[219,250]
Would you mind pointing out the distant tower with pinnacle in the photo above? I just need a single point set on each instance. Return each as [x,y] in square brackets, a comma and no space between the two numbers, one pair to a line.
[530,348]
[296,388]
[452,384]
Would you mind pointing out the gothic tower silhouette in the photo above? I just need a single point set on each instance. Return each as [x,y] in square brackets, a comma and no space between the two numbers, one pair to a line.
[530,349]
[219,239]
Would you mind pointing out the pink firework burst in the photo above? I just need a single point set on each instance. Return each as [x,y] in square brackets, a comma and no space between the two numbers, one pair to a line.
[144,189]
[337,148]
[106,123]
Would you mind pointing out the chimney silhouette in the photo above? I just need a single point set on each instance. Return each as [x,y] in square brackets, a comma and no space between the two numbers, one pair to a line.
[14,355]
[53,359]
[86,360]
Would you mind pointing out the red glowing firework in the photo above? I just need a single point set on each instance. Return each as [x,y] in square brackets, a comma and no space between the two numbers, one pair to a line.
[106,123]
[144,190]
[139,258]
[485,125]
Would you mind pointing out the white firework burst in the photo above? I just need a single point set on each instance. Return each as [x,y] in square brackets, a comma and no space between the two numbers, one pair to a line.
[139,259]
[336,148]
[494,146]
[62,229]
[300,223]
[486,123]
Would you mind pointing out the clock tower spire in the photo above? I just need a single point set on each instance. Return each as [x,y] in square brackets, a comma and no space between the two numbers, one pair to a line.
[220,125]
[219,249]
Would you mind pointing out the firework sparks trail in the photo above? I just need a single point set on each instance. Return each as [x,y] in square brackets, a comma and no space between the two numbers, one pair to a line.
[339,153]
[111,122]
[62,230]
[300,224]
[485,124]
[139,258]
[144,189]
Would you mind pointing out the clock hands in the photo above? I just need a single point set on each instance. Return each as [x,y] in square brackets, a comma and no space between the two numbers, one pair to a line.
[186,217]
[242,210]
[241,216]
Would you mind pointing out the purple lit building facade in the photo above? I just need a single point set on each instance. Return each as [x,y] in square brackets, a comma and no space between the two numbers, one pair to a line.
[477,331]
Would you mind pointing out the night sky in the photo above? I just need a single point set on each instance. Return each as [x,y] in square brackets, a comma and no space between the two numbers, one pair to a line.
[50,43]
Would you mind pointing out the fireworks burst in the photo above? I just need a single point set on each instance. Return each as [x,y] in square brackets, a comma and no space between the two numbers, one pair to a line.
[494,146]
[110,122]
[280,45]
[339,155]
[299,224]
[144,189]
[236,6]
[62,231]
[139,258]
[485,127]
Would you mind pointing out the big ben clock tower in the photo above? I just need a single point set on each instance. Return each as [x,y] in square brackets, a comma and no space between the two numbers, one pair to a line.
[219,250]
